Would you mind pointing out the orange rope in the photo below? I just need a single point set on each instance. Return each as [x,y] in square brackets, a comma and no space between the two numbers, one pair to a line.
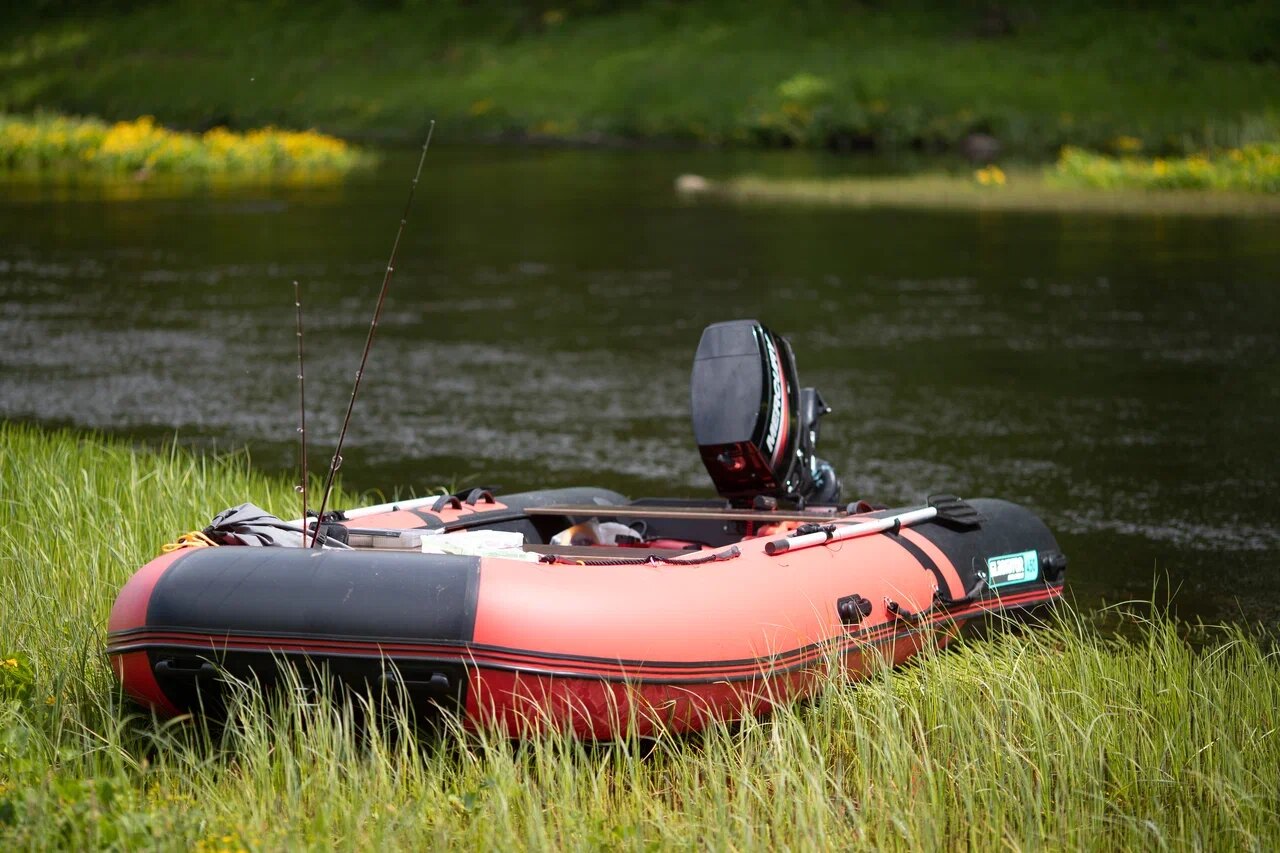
[194,539]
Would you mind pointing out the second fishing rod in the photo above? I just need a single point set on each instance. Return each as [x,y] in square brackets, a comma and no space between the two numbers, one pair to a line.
[336,461]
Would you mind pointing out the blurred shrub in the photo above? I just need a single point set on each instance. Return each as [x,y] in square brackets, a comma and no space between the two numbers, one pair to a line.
[140,147]
[1254,167]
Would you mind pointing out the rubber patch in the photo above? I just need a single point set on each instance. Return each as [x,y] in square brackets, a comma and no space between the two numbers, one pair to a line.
[1012,568]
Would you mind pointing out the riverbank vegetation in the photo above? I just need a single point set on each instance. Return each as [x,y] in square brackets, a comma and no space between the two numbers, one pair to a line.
[1243,180]
[1164,735]
[50,144]
[989,188]
[1179,77]
[1250,168]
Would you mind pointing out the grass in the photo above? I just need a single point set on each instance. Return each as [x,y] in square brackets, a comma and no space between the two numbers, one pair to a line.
[1169,737]
[58,144]
[1024,190]
[1037,75]
[1233,181]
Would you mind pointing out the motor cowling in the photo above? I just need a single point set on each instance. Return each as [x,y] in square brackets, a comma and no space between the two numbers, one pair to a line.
[756,428]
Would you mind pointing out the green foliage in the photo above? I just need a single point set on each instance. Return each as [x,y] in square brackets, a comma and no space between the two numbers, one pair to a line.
[16,677]
[49,143]
[1160,736]
[1037,75]
[1253,168]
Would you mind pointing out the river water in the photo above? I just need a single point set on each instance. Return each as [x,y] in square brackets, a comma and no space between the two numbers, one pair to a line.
[1118,374]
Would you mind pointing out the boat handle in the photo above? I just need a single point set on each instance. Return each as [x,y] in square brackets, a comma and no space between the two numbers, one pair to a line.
[438,683]
[171,669]
[446,502]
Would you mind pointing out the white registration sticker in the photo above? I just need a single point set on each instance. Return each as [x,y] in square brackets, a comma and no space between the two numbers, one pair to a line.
[1013,568]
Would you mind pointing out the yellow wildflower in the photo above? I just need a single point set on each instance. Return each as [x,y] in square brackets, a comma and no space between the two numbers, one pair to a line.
[990,176]
[141,144]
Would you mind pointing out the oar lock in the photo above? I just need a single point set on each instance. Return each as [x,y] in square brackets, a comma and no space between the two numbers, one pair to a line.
[853,608]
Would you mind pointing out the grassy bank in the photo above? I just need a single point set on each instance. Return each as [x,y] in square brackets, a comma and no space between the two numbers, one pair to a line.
[1036,75]
[1018,191]
[1232,181]
[1060,738]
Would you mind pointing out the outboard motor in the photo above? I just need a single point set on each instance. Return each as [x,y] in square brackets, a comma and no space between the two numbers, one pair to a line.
[756,428]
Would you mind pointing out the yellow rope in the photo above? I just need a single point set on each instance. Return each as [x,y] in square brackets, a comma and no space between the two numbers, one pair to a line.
[194,539]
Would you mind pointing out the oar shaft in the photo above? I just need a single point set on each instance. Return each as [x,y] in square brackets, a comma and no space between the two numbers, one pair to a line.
[850,531]
[412,503]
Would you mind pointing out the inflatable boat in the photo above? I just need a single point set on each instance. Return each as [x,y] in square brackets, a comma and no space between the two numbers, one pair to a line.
[578,608]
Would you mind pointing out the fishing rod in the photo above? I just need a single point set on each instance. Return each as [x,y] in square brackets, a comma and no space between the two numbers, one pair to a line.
[302,411]
[336,462]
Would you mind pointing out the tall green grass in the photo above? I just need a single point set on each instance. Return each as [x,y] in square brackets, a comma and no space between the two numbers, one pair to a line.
[1166,737]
